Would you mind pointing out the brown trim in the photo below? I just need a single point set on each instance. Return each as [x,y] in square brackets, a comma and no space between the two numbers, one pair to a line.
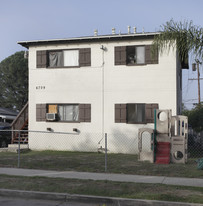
[120,113]
[84,112]
[135,65]
[69,67]
[149,112]
[19,114]
[41,59]
[151,57]
[120,55]
[41,110]
[84,57]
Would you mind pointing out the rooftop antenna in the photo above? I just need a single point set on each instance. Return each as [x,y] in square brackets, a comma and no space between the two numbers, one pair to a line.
[129,27]
[113,31]
[95,32]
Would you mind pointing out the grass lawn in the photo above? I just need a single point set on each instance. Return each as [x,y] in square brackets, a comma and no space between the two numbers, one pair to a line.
[94,162]
[104,188]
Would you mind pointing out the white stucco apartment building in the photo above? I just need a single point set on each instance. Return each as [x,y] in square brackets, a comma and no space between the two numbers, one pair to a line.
[99,84]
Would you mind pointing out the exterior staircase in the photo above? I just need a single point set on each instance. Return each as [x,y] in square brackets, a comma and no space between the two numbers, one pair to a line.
[163,153]
[20,123]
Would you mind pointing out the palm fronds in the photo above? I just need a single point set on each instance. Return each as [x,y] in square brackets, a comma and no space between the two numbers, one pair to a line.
[185,36]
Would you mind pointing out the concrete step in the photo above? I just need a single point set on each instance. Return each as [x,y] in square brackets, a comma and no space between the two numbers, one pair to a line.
[14,148]
[5,149]
[22,146]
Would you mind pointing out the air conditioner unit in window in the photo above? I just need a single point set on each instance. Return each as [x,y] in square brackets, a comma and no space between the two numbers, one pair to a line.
[51,116]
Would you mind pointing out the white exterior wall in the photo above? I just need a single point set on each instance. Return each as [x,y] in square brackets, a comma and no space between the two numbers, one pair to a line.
[102,85]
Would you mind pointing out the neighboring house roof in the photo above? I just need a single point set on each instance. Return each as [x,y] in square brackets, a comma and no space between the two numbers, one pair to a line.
[112,37]
[7,113]
[4,125]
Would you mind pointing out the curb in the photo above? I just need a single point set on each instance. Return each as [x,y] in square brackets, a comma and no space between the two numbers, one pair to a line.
[88,199]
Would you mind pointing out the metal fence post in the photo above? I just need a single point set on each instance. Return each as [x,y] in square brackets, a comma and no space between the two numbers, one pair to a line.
[105,152]
[19,149]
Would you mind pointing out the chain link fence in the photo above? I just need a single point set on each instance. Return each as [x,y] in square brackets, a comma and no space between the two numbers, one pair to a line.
[95,152]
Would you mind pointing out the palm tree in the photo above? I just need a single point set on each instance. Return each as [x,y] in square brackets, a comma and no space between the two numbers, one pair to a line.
[185,36]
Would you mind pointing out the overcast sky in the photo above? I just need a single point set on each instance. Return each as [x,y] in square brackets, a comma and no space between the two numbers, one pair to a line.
[22,20]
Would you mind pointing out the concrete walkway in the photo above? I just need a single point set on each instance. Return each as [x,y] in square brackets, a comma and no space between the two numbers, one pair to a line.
[104,176]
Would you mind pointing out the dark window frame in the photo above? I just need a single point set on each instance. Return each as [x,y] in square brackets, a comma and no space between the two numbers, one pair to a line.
[58,120]
[84,58]
[62,66]
[84,112]
[136,105]
[128,48]
[120,55]
[121,115]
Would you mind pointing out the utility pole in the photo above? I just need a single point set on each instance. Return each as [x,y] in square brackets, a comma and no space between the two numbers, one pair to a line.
[195,66]
[198,75]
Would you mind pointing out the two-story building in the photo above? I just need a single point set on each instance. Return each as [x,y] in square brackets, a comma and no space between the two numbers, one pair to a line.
[99,84]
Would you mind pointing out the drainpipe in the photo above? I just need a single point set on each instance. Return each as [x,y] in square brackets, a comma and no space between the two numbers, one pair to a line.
[103,73]
[155,135]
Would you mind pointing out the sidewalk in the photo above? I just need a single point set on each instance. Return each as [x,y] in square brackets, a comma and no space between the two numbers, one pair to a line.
[194,182]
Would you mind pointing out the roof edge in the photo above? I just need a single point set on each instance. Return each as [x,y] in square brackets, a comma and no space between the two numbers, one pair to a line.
[111,37]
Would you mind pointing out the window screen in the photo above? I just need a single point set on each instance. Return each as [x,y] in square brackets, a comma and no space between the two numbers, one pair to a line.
[135,55]
[66,58]
[140,55]
[56,59]
[68,113]
[136,113]
[71,58]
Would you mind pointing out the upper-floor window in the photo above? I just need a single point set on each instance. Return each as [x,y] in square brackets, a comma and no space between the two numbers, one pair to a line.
[64,58]
[135,55]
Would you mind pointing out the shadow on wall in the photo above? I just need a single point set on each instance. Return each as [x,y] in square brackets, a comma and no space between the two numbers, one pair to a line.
[122,142]
[83,142]
[88,142]
[127,142]
[117,142]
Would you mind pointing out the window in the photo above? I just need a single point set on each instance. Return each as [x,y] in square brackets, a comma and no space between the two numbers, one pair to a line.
[135,113]
[135,55]
[55,59]
[69,113]
[64,112]
[71,58]
[64,58]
